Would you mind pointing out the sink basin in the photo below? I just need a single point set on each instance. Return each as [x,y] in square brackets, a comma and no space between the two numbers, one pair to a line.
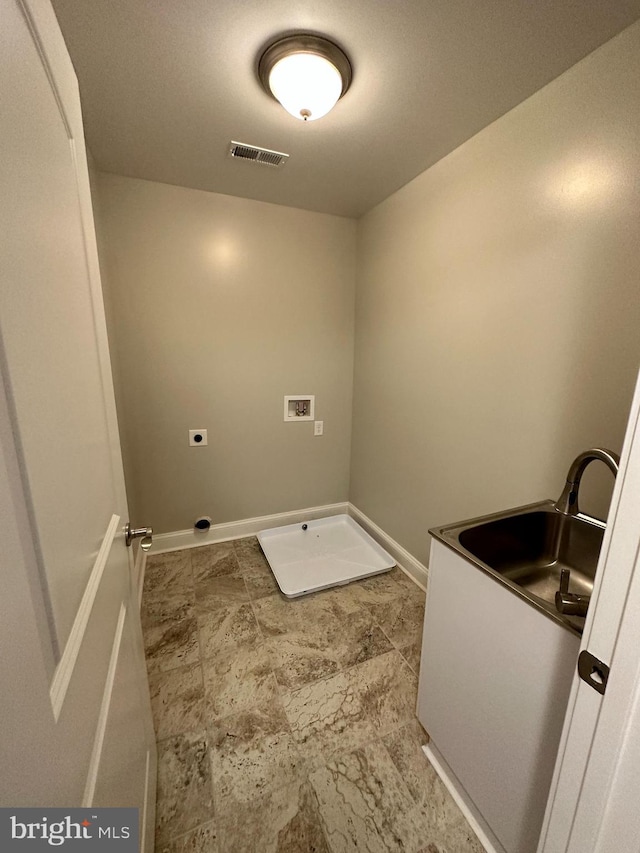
[527,548]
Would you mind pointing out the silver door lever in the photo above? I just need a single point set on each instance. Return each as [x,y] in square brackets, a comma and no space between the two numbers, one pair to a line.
[145,534]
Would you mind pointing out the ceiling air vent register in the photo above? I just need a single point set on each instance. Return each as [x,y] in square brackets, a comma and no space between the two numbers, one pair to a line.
[255,154]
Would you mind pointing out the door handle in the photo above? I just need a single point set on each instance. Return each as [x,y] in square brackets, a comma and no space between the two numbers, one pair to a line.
[145,534]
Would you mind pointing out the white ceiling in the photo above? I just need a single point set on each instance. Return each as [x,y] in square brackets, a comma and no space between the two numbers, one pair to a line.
[166,84]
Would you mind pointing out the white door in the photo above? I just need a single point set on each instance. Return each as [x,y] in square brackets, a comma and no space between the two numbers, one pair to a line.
[593,804]
[75,724]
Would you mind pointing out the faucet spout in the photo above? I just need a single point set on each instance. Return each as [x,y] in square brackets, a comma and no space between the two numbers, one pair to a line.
[567,503]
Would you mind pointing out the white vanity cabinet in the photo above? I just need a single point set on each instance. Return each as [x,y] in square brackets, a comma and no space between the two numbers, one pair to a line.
[495,678]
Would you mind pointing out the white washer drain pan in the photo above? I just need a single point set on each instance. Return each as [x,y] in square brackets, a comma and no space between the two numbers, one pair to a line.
[331,551]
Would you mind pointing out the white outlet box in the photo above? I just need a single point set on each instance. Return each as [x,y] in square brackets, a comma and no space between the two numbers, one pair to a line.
[318,427]
[198,437]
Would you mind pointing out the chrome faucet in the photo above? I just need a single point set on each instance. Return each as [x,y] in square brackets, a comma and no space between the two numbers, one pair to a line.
[569,602]
[567,503]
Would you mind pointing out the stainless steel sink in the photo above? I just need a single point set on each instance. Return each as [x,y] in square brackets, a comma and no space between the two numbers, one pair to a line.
[528,547]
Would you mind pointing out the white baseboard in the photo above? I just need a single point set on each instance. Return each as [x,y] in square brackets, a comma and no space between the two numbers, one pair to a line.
[164,542]
[466,806]
[406,561]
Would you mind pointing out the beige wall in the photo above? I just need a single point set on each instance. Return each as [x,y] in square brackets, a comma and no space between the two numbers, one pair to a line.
[498,308]
[497,325]
[218,307]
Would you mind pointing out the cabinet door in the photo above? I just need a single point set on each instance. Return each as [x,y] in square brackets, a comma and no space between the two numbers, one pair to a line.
[494,682]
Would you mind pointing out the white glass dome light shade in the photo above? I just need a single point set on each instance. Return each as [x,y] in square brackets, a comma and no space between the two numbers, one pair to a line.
[307,73]
[307,85]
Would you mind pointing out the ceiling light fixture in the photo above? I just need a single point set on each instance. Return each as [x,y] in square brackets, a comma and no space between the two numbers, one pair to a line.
[308,74]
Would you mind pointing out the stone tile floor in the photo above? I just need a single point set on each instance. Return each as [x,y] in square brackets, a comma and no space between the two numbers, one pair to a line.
[288,726]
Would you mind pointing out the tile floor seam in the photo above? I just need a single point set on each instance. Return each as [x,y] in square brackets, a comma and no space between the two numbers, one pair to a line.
[308,683]
[271,669]
[190,561]
[257,707]
[151,673]
[377,738]
[210,658]
[168,840]
[405,660]
[376,623]
[159,672]
[320,820]
[214,808]
[193,730]
[393,644]
[182,835]
[255,615]
[341,669]
[347,669]
[379,741]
